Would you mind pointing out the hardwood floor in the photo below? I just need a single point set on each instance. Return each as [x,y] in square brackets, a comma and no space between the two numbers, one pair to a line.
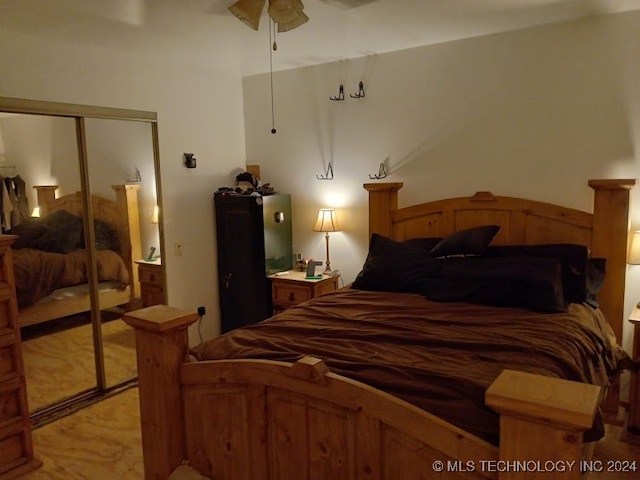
[103,441]
[100,442]
[49,349]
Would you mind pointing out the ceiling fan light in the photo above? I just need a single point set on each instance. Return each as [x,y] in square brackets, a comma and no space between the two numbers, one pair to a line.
[248,11]
[299,20]
[285,11]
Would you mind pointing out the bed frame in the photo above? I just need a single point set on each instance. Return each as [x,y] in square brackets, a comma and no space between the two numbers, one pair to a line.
[121,213]
[259,419]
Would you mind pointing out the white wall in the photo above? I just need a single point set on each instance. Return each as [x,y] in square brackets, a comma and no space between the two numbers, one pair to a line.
[533,114]
[199,110]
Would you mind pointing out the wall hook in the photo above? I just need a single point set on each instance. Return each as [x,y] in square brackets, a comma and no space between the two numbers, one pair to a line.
[340,94]
[382,173]
[360,93]
[137,178]
[328,174]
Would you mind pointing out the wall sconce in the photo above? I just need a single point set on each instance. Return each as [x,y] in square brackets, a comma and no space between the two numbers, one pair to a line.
[155,214]
[327,221]
[633,256]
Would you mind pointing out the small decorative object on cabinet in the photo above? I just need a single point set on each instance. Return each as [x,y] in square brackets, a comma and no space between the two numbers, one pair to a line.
[293,287]
[151,278]
[254,240]
[16,448]
[633,416]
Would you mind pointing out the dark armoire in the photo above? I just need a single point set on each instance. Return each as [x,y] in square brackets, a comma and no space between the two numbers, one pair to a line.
[254,240]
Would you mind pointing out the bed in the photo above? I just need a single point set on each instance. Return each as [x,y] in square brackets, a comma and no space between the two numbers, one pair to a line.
[51,262]
[288,398]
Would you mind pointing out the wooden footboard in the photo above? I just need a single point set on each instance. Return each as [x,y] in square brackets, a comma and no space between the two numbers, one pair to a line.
[257,419]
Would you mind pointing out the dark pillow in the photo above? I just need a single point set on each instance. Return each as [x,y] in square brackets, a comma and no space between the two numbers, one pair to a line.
[64,233]
[424,243]
[519,282]
[106,236]
[27,231]
[596,270]
[60,217]
[395,267]
[472,241]
[573,260]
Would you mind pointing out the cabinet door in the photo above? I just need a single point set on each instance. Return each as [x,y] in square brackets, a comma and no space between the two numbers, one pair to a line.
[244,288]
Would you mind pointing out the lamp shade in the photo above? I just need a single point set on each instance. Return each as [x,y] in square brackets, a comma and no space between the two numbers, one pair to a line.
[248,11]
[327,221]
[633,257]
[287,14]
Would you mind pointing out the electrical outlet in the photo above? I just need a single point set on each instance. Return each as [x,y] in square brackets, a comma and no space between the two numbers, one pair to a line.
[202,311]
[178,249]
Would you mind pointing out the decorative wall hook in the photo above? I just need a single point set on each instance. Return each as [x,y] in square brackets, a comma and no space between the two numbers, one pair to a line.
[328,174]
[340,94]
[360,93]
[137,178]
[382,173]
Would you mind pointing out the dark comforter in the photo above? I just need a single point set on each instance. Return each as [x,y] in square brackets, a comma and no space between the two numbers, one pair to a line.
[440,357]
[39,273]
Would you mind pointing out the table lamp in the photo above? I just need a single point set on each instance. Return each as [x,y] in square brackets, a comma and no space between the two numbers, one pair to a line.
[327,222]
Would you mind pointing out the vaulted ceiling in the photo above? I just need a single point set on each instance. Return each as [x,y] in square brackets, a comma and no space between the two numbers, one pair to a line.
[205,32]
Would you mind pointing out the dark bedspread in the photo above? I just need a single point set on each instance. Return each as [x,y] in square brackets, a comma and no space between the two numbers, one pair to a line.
[440,357]
[39,273]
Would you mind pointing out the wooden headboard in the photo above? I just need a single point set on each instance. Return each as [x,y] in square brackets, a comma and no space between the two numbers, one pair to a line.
[121,213]
[522,222]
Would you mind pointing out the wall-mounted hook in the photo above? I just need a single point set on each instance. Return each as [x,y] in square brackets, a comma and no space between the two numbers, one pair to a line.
[328,174]
[382,173]
[137,178]
[360,93]
[340,94]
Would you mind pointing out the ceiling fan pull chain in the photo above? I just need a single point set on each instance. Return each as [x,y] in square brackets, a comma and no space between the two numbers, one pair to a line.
[272,41]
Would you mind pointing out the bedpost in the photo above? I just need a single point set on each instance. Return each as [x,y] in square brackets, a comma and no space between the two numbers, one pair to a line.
[609,240]
[542,422]
[45,195]
[130,238]
[383,199]
[162,345]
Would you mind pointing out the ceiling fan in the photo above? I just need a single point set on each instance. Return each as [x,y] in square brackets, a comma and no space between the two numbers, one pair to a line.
[287,14]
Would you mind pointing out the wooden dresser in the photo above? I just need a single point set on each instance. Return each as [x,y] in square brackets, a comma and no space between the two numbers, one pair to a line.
[16,448]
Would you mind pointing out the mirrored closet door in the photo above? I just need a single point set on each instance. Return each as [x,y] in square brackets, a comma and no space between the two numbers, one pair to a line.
[91,182]
[40,161]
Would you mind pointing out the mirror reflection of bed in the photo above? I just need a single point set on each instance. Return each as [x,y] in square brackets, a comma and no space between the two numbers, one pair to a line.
[51,265]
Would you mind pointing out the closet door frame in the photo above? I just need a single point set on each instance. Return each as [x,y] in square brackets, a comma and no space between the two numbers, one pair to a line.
[79,113]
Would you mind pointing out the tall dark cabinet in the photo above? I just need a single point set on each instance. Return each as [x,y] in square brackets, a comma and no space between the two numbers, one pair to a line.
[254,240]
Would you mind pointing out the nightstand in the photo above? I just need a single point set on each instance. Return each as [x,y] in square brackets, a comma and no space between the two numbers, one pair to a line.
[291,287]
[151,277]
[633,415]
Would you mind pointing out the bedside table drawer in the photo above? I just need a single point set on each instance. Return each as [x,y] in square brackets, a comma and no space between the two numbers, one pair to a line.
[150,275]
[290,294]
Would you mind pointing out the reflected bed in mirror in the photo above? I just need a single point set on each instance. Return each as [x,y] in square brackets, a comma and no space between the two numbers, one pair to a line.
[50,261]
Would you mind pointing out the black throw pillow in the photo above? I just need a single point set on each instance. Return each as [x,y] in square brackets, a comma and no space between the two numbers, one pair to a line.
[395,267]
[471,241]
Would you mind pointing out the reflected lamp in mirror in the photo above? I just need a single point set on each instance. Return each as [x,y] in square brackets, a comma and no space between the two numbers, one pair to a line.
[154,215]
[36,212]
[633,257]
[327,221]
